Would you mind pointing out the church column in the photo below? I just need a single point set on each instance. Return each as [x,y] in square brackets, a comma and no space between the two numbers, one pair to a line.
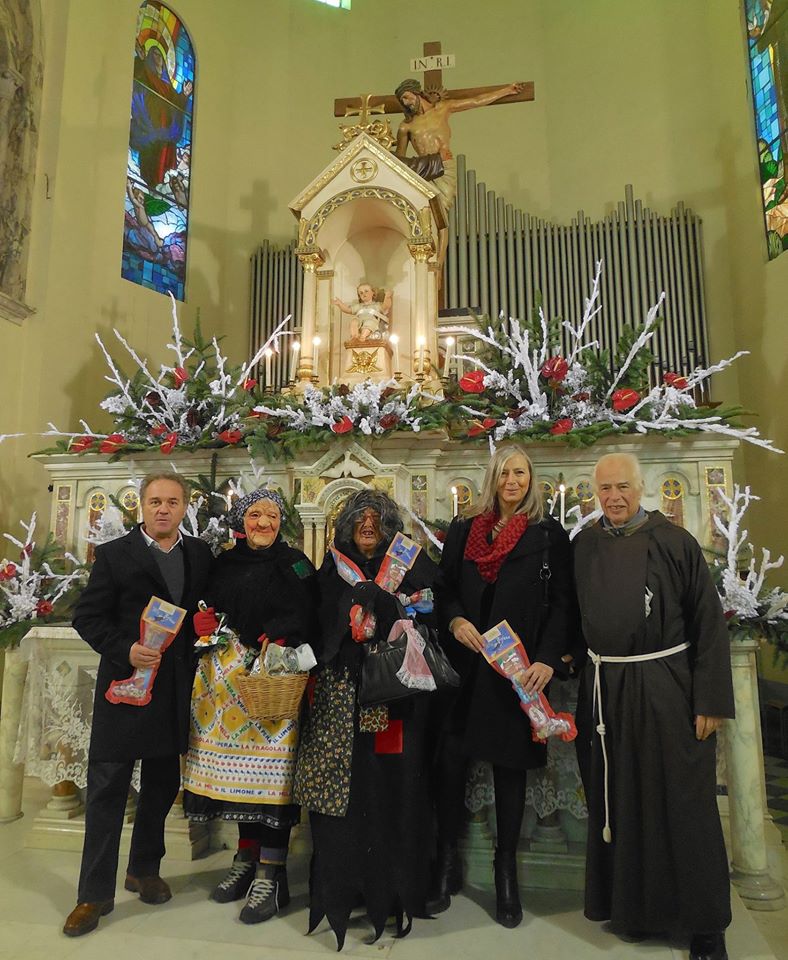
[11,774]
[421,252]
[746,787]
[311,258]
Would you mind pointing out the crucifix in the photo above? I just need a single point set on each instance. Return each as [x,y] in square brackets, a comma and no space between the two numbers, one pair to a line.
[433,79]
[426,125]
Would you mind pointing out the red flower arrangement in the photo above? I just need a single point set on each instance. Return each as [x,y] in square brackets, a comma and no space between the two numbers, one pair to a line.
[561,426]
[81,444]
[555,370]
[112,443]
[180,375]
[389,420]
[473,382]
[169,443]
[230,436]
[624,399]
[342,426]
[478,428]
[675,380]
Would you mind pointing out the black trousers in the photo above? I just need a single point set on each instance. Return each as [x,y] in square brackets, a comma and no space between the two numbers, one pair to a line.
[108,790]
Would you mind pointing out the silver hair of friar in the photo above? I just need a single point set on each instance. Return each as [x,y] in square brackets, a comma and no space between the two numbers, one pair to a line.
[368,499]
[631,459]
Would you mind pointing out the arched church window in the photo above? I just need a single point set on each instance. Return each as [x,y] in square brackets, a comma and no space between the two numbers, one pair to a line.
[158,172]
[767,45]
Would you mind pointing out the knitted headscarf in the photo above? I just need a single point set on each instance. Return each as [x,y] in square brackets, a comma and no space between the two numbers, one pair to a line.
[236,515]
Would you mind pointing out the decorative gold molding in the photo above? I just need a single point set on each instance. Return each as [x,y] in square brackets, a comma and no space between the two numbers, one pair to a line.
[347,156]
[406,208]
[311,257]
[363,170]
[422,250]
[364,361]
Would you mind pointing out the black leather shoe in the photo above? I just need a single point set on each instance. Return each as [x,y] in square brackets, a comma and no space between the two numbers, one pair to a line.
[151,889]
[447,880]
[708,946]
[508,910]
[85,917]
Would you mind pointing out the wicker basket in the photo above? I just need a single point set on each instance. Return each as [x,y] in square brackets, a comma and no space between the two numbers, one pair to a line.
[267,697]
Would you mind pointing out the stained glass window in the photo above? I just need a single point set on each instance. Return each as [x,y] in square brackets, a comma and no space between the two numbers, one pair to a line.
[767,42]
[158,175]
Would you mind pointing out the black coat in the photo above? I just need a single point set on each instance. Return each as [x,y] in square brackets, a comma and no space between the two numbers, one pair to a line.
[271,591]
[487,714]
[124,577]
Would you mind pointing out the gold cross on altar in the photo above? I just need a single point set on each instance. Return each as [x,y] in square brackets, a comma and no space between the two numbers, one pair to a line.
[371,103]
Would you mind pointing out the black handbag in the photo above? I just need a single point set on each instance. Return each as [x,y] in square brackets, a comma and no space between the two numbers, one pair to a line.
[379,682]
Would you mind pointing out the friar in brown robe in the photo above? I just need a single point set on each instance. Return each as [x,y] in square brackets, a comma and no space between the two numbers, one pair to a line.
[656,859]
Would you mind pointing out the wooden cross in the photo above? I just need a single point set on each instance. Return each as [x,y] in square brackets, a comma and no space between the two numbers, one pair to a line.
[353,106]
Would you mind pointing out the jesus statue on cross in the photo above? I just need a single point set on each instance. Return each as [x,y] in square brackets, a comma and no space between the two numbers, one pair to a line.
[426,127]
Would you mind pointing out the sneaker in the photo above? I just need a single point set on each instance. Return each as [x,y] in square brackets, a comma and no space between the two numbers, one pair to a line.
[266,897]
[235,882]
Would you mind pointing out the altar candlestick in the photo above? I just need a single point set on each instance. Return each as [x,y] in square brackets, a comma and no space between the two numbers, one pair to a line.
[447,356]
[295,348]
[394,341]
[268,355]
[455,502]
[562,490]
[315,355]
[420,341]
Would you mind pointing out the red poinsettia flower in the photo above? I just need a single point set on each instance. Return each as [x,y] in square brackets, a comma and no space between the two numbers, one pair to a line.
[158,431]
[487,424]
[230,436]
[555,369]
[473,382]
[169,443]
[250,383]
[624,399]
[112,443]
[81,444]
[7,570]
[44,608]
[180,375]
[561,426]
[389,420]
[675,380]
[343,425]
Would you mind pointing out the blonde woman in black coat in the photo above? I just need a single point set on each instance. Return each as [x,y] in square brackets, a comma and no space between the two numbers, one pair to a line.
[504,561]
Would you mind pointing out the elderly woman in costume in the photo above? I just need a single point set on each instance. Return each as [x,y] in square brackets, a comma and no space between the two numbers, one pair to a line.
[362,771]
[505,561]
[238,768]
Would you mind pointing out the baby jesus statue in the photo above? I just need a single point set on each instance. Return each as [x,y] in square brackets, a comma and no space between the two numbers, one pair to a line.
[370,314]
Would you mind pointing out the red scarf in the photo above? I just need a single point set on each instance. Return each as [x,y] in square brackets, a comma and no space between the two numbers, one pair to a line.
[488,557]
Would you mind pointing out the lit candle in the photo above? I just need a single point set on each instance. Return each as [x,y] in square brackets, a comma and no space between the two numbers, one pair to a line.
[394,341]
[315,355]
[562,490]
[448,355]
[455,502]
[420,341]
[268,354]
[295,349]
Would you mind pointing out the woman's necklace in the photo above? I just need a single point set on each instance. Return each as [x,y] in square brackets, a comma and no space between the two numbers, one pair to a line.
[498,526]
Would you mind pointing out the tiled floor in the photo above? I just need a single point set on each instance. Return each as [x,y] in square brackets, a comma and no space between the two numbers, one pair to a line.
[777,792]
[37,891]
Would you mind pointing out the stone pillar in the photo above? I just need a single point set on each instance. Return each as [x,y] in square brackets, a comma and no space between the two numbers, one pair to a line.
[421,253]
[311,258]
[11,774]
[746,787]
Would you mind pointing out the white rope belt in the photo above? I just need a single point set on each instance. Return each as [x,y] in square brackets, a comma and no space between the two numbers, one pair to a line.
[597,660]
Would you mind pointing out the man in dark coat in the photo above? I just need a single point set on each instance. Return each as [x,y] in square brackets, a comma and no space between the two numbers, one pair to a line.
[656,688]
[153,560]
